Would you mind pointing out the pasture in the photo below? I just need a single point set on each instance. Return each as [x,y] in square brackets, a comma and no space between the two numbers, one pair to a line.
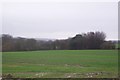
[61,64]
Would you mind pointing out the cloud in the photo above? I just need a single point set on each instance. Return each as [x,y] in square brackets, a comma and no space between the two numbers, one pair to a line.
[56,20]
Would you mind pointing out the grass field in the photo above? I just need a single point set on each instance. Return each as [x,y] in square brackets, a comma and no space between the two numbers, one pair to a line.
[61,64]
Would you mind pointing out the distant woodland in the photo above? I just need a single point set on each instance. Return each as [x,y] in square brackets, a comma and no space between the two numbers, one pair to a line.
[89,40]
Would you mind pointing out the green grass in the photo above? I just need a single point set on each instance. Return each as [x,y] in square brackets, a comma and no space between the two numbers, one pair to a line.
[61,63]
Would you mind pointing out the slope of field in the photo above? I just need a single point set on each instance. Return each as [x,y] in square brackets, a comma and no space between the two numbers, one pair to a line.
[61,63]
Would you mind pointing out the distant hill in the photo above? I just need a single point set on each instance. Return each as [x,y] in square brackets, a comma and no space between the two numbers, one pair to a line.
[115,41]
[45,39]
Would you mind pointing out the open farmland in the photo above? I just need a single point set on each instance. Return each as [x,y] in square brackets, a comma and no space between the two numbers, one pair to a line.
[61,64]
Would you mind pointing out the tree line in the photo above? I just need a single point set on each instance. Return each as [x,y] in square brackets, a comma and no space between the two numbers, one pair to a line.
[89,40]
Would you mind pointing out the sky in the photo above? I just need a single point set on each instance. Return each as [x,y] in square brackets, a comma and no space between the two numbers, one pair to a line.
[59,19]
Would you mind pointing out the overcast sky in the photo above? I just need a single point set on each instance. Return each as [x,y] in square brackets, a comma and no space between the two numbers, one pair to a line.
[59,19]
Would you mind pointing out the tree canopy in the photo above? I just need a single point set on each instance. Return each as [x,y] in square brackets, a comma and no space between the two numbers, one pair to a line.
[90,40]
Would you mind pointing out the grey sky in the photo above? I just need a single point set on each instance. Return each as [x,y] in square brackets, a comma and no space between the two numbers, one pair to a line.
[59,19]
